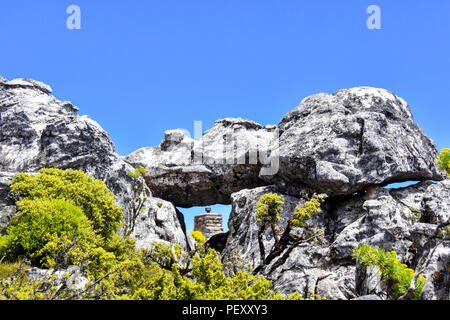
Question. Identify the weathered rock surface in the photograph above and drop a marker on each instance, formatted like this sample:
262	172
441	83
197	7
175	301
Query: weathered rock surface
386	221
204	171
70	278
161	222
37	131
354	138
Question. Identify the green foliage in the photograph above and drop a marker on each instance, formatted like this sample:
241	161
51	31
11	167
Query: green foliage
138	172
165	255
210	283
398	275
416	215
7	269
443	161
199	238
42	228
91	195
269	208
311	208
136	206
67	218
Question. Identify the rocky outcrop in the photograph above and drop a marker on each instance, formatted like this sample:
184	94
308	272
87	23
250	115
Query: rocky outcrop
207	170
160	222
342	143
349	145
337	144
388	220
37	131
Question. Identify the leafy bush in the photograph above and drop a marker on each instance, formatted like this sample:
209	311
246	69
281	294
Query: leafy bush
7	269
91	195
268	209
209	281
398	275
42	228
165	255
199	238
443	161
311	208
136	206
67	218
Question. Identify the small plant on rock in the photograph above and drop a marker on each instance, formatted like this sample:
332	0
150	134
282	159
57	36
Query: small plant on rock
268	210
443	161
140	195
396	274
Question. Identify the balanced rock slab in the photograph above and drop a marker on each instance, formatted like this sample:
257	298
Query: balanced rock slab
207	170
344	142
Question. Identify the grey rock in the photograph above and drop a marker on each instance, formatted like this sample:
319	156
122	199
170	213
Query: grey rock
345	142
327	268
242	227
207	170
437	202
437	285
369	281
70	278
160	222
37	131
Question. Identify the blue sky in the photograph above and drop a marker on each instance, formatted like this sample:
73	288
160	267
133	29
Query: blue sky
142	67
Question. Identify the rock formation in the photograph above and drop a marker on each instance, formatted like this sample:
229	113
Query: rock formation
387	221
207	170
349	144
354	138
37	131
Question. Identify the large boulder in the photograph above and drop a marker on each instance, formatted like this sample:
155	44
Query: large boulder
37	131
160	222
388	219
207	170
344	142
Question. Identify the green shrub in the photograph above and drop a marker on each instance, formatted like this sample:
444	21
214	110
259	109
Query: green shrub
165	255
269	208
443	161
91	195
301	214
7	269
210	283
199	238
42	227
398	275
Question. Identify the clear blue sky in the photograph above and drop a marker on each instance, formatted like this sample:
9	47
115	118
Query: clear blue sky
142	67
